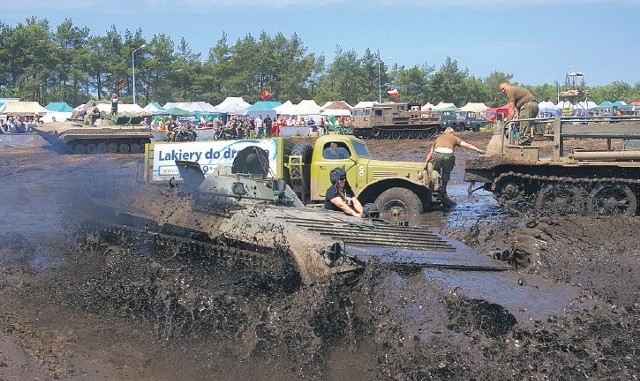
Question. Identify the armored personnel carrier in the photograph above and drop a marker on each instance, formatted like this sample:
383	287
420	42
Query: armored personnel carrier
119	133
394	121
591	167
244	217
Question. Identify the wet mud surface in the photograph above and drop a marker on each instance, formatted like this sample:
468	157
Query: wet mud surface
74	306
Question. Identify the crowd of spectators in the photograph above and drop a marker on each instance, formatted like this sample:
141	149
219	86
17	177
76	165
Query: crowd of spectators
241	127
18	124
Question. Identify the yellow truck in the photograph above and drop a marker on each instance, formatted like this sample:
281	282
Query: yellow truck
398	189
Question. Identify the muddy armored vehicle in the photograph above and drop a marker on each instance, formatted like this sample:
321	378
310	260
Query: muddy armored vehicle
118	133
243	216
592	166
394	121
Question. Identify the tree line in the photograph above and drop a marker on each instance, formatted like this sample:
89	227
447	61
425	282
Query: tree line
70	64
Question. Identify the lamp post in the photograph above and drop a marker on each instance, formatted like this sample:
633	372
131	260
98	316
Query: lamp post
380	79
133	69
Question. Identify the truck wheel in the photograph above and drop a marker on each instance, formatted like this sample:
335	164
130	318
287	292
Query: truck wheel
304	150
398	203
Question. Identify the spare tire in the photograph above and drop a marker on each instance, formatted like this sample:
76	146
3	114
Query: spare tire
299	180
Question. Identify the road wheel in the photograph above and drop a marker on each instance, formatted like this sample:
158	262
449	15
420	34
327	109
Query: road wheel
112	147
396	134
124	148
92	148
102	147
560	199
612	199
80	148
136	148
398	204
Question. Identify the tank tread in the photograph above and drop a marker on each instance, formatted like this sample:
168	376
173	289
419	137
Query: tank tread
417	132
510	190
274	262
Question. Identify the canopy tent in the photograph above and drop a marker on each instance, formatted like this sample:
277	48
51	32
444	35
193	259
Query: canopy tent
175	111
618	103
361	105
442	106
549	107
23	108
307	107
604	104
337	108
59	106
58	116
585	105
428	106
123	108
192	106
153	107
285	109
565	105
474	106
233	105
263	108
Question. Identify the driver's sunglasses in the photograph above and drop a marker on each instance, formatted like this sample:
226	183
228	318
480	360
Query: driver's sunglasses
342	179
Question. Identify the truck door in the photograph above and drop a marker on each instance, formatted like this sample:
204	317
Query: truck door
335	154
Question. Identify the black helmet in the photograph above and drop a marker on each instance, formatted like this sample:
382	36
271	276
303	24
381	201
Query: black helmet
336	174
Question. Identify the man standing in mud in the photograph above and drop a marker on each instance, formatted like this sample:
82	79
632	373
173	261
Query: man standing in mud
525	103
443	159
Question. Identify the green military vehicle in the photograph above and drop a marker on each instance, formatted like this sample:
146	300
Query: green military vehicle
394	121
397	188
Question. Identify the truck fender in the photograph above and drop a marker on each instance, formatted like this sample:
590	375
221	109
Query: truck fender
397	199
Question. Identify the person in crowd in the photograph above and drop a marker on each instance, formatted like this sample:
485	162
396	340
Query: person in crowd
522	101
340	196
322	127
4	128
259	122
114	103
95	113
442	154
162	125
146	122
268	123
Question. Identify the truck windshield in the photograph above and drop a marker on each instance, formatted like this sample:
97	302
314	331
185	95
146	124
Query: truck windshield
361	149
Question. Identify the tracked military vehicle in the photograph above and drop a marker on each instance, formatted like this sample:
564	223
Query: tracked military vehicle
394	121
119	133
592	167
241	215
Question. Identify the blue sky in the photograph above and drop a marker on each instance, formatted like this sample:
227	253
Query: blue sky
537	41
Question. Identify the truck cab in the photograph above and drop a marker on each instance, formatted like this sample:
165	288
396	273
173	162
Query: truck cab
397	188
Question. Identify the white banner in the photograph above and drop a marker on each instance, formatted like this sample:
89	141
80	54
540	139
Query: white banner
209	154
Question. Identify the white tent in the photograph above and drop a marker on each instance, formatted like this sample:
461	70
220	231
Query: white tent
60	116
286	108
585	105
474	106
122	108
442	106
233	105
565	105
22	108
193	106
548	106
361	105
428	106
308	107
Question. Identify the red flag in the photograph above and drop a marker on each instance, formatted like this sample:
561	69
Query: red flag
265	94
393	93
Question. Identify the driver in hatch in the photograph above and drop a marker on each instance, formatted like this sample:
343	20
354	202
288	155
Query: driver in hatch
340	196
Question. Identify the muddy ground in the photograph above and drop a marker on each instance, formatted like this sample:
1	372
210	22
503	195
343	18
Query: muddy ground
73	309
